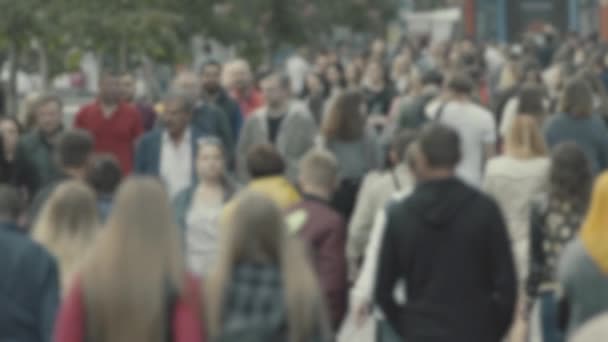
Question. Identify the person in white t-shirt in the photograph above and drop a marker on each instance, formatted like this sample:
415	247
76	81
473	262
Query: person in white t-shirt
475	125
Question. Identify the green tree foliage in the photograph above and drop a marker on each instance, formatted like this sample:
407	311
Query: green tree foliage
162	29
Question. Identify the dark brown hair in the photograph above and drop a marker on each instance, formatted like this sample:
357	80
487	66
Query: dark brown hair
105	174
461	84
577	98
440	145
264	160
345	120
531	101
570	178
74	148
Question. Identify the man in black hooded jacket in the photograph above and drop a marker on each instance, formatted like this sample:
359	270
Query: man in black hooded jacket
448	242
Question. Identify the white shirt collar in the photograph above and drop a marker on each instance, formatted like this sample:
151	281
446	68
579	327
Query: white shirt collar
187	137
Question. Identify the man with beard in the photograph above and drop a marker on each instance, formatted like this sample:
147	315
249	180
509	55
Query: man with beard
214	93
34	151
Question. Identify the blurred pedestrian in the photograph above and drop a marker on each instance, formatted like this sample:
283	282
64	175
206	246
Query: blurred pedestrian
285	123
240	84
170	152
36	149
322	228
129	92
513	180
378	95
28	278
555	218
105	178
298	67
74	155
206	116
134	285
263	287
353	76
199	207
577	122
336	82
531	100
475	126
375	192
449	244
67	227
344	133
267	170
17	172
583	268
114	124
10	132
595	330
315	95
214	93
412	114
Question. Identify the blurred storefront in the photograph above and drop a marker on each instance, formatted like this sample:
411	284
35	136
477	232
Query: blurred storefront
507	20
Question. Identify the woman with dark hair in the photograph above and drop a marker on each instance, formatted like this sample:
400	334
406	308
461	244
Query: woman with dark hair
577	122
344	134
555	218
198	209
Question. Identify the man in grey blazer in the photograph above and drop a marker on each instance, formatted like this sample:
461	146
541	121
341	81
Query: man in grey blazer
283	122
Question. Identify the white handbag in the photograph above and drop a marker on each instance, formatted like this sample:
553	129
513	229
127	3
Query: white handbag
353	332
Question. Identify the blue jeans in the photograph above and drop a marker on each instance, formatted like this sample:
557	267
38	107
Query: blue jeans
549	317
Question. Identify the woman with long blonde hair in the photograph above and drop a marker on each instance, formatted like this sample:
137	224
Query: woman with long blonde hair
134	286
513	180
263	286
67	227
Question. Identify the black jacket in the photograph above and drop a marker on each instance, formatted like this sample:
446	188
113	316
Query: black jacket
448	242
29	289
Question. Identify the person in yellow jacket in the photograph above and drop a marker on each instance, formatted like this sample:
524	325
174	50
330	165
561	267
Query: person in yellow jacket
267	168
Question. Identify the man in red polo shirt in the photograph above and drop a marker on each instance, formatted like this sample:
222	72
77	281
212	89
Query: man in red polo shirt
115	125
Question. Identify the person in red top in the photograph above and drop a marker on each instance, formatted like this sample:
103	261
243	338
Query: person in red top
134	286
242	89
115	125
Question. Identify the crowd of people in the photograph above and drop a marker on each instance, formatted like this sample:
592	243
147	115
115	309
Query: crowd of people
423	192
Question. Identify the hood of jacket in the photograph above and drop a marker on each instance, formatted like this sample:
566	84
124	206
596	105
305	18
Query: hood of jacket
438	202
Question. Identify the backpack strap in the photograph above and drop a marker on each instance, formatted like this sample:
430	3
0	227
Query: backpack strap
439	112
